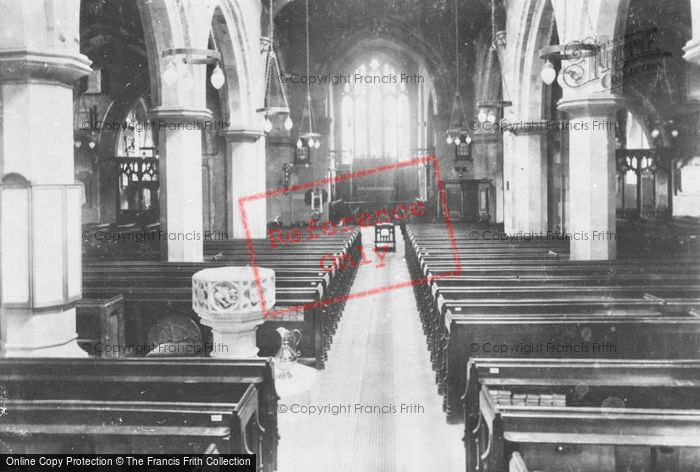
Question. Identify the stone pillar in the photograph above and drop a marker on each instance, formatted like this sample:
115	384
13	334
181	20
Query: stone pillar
39	239
245	176
692	47
592	202
180	172
525	172
692	54
227	299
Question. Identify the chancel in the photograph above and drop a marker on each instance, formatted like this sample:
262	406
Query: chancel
407	235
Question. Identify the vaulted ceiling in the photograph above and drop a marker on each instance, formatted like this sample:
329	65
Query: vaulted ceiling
424	27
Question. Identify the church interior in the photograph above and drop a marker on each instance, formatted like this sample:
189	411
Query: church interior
376	235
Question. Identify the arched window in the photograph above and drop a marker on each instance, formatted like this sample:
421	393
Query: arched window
375	114
137	158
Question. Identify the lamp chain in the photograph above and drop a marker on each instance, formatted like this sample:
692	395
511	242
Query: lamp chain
457	43
308	71
458	95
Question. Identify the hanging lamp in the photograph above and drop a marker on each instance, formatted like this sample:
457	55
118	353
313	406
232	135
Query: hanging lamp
457	132
308	139
574	50
273	105
491	110
194	56
217	78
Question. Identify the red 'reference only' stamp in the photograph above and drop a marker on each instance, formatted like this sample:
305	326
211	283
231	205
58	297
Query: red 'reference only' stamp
284	238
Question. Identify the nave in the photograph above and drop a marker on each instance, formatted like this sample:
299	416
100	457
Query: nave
378	360
188	190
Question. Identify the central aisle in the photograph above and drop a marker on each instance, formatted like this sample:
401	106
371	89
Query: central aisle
378	363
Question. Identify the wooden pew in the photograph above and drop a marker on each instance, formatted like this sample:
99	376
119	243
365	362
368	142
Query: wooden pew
510	279
633	337
140	406
155	289
600	415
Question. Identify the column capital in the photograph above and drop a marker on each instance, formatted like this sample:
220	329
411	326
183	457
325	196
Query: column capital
242	135
25	64
592	105
180	115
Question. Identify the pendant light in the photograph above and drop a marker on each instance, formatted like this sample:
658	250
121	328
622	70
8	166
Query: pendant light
491	110
456	132
193	56
308	139
574	50
273	77
218	78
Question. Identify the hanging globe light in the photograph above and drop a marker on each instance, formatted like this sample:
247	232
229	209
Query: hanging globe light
268	125
548	73
482	115
275	95
308	137
449	139
217	77
468	139
458	141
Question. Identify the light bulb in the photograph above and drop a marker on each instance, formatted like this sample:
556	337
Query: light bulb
458	141
482	115
299	144
288	123
491	117
170	74
449	139
268	125
311	142
655	133
92	144
674	133
548	74
317	144
77	144
217	77
468	140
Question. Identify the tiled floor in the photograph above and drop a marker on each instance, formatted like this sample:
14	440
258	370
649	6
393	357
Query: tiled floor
378	366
